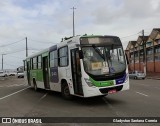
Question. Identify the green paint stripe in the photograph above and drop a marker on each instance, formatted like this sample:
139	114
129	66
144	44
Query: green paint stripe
38	74
101	83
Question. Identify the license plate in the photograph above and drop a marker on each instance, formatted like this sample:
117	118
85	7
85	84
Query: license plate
112	91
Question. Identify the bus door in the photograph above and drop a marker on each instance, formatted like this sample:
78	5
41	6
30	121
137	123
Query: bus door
45	73
28	73
76	72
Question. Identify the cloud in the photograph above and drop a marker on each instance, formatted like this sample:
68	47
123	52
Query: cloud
50	20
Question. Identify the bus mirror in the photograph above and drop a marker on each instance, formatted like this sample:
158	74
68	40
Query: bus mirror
77	45
80	54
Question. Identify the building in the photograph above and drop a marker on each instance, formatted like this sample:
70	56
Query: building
144	54
130	55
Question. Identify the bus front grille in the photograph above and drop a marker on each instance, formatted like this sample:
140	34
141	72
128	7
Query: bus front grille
105	90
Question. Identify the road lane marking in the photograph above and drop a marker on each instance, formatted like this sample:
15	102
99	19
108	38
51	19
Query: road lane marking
13	85
115	111
13	93
43	96
150	86
157	87
145	85
16	85
142	94
111	107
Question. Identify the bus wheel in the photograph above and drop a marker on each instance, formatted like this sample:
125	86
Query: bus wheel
65	91
35	85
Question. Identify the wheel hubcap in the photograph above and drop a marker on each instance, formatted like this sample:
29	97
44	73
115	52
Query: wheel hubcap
66	91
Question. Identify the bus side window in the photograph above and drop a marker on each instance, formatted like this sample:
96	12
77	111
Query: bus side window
34	63
53	59
63	56
31	64
39	62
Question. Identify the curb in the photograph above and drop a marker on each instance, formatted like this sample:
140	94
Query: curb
153	78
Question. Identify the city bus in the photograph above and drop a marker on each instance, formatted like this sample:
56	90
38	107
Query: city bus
84	66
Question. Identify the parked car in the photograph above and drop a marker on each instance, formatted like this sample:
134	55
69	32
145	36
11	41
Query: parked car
3	74
12	74
137	75
20	75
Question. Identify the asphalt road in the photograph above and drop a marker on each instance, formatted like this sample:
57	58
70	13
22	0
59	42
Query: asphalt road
18	100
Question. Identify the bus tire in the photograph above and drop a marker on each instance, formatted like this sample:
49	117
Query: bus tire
35	85
65	91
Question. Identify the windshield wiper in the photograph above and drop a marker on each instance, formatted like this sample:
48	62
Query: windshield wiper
99	52
109	74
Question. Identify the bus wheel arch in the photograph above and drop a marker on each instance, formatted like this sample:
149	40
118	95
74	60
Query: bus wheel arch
35	84
65	89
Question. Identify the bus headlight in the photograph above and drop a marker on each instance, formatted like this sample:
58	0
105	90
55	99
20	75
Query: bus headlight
89	83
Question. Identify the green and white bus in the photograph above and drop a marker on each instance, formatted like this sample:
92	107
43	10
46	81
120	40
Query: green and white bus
84	66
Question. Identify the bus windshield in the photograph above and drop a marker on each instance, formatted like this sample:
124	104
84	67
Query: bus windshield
103	60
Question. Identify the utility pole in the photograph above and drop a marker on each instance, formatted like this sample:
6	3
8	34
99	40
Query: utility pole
73	21
144	53
2	60
26	48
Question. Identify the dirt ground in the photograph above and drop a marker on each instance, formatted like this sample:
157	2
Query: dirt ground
4	81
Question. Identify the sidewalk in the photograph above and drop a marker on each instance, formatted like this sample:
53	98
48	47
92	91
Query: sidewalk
155	76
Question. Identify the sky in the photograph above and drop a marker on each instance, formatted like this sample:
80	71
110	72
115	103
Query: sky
46	22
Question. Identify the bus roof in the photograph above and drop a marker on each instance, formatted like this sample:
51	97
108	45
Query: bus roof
38	53
65	42
90	36
62	43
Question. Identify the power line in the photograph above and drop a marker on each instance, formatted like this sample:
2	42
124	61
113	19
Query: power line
130	35
42	42
14	51
12	43
9	64
17	61
147	32
34	49
16	57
